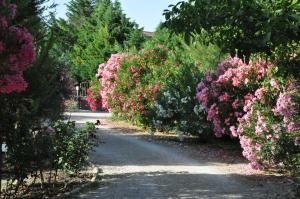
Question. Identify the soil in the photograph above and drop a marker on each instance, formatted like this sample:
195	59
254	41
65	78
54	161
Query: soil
63	184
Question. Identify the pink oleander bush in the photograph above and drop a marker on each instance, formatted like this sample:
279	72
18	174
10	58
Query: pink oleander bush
139	79
16	51
269	131
93	99
108	75
223	94
253	103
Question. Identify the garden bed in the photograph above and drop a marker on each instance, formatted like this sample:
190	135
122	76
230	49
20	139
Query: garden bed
63	185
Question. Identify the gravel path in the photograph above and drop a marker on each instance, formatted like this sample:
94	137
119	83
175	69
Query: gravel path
137	168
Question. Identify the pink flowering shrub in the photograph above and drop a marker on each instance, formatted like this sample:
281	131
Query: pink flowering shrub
16	51
223	94
269	131
139	79
94	100
251	102
108	75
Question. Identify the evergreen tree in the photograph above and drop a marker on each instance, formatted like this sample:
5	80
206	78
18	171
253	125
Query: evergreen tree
89	52
104	32
29	14
78	10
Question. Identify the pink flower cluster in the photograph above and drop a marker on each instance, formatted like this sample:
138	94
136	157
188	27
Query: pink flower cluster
16	52
285	106
92	100
107	74
223	94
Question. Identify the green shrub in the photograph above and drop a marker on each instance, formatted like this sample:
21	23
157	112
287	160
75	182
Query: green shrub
34	152
72	145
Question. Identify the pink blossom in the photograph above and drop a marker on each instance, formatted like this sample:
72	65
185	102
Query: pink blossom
233	131
284	106
246	81
274	84
258	147
236	103
256	165
269	137
235	82
19	54
249	100
202	96
224	97
227	121
238	114
217	128
212	112
2	3
276	128
259	93
13	10
200	86
208	76
261	125
12	83
249	97
292	126
93	102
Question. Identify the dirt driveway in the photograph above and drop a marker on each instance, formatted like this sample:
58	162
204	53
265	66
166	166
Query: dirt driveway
134	167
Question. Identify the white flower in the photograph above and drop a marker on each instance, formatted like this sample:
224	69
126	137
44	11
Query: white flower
167	94
157	123
198	109
183	123
184	100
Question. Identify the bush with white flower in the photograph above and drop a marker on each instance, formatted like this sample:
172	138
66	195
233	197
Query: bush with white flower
176	108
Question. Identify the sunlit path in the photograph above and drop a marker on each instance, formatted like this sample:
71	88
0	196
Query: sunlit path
136	168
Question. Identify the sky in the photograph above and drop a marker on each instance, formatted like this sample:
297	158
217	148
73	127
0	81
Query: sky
146	13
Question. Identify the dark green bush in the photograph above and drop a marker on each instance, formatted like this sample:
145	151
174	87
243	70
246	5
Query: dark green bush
32	153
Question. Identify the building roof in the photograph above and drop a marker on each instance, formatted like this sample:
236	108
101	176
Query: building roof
148	34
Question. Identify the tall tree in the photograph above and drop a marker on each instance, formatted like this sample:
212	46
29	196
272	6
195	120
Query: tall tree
105	31
252	26
78	10
30	14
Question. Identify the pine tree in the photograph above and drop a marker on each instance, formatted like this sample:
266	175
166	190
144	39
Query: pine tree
78	11
104	32
30	15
